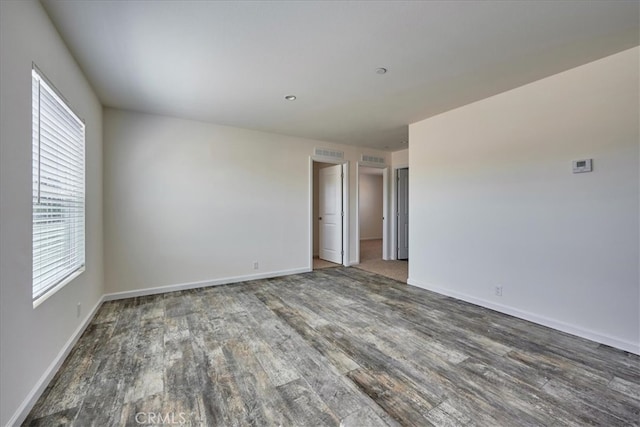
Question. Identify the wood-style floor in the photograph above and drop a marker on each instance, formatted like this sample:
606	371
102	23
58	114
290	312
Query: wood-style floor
339	346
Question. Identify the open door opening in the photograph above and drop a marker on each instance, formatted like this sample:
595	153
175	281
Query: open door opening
371	214
375	254
328	215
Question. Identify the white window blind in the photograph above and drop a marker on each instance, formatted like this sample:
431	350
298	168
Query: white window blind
58	137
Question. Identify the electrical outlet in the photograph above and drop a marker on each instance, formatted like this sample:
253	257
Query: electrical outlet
499	291
78	309
255	265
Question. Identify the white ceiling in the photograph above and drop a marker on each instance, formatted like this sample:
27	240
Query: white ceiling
232	63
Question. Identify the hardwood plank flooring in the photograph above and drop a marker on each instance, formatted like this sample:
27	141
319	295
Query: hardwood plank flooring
338	346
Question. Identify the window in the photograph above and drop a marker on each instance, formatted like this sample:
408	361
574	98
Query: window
58	137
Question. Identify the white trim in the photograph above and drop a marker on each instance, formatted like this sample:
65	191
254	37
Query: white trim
310	213
393	241
357	200
535	318
27	404
345	219
201	284
385	213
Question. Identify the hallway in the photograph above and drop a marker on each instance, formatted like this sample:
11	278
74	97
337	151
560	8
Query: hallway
371	260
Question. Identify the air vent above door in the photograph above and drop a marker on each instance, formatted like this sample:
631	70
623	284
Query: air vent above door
326	152
373	160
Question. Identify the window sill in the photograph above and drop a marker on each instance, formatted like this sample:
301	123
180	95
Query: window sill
42	298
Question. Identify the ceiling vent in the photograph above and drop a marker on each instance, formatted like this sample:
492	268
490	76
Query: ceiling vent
373	160
325	152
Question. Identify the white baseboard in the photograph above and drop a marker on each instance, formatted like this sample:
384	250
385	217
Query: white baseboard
201	284
27	404
535	318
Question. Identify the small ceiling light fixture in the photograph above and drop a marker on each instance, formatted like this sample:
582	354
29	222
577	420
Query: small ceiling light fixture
381	70
290	97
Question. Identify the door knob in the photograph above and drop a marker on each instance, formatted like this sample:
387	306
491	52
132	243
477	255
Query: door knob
320	218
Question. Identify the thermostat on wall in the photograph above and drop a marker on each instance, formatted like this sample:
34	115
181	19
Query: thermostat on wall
580	166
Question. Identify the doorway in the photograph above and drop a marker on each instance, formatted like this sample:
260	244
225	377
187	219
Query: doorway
375	254
371	213
329	213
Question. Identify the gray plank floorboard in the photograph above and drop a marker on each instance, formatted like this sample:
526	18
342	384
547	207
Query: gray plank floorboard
333	347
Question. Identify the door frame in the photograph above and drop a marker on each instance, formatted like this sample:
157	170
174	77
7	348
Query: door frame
393	224
345	207
385	210
397	249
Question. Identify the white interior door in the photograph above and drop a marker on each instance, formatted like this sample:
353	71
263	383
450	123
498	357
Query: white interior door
330	213
403	213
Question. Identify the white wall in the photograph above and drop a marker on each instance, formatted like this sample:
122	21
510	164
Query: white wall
188	201
32	339
370	206
493	201
400	159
